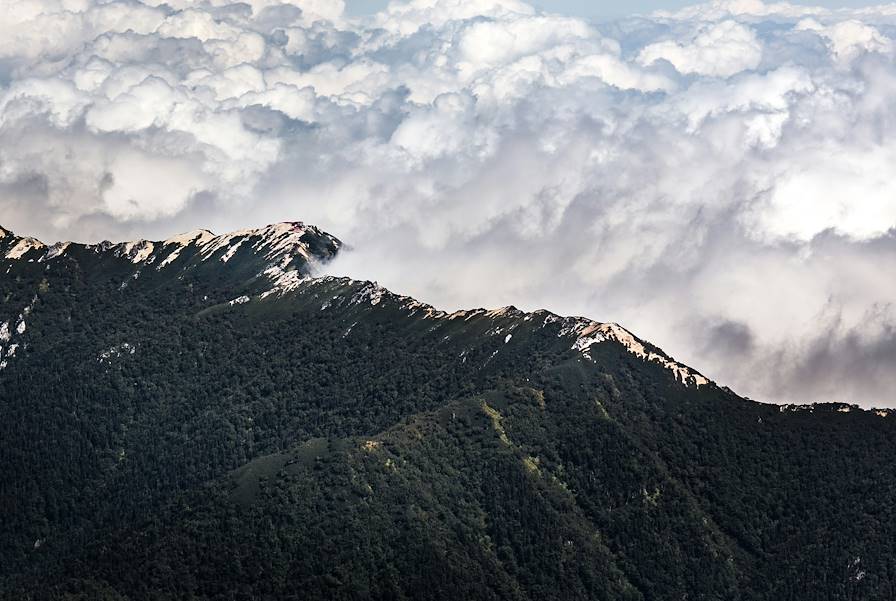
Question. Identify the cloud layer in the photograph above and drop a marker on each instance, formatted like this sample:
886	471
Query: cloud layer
718	180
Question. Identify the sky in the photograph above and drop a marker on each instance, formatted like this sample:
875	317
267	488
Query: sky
715	177
602	9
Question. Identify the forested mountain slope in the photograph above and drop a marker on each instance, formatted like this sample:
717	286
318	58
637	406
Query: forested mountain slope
202	418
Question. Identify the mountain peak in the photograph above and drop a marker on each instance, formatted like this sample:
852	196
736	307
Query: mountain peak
276	254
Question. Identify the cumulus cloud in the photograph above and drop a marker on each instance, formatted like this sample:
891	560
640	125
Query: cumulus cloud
849	39
719	49
716	179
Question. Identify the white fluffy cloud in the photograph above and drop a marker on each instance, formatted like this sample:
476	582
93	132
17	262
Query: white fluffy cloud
717	179
719	49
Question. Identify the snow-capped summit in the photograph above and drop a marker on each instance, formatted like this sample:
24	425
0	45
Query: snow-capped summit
271	255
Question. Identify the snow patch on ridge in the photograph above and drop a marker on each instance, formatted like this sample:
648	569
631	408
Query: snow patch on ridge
683	373
137	251
170	258
14	334
588	333
54	251
371	293
199	237
23	246
589	336
231	251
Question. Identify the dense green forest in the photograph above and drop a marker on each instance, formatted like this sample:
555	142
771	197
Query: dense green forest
179	430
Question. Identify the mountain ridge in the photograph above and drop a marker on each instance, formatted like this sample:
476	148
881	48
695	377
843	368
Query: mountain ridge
289	262
281	244
209	430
